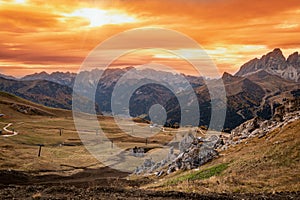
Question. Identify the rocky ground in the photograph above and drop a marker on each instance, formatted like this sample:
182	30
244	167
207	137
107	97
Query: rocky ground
101	184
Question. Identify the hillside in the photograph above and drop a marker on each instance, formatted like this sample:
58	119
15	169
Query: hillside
67	168
245	168
247	97
43	92
12	106
39	91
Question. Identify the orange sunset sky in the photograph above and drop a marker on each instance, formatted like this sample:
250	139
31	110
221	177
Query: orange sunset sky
57	35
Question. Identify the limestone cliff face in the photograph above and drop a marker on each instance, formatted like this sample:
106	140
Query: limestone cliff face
274	63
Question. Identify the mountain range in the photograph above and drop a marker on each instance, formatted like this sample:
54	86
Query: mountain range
255	90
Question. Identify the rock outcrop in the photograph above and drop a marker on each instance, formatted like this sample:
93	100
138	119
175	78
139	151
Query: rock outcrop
284	114
274	63
193	153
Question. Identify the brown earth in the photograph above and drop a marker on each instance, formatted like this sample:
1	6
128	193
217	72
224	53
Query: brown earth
100	184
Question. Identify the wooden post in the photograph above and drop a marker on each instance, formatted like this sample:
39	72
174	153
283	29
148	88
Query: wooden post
40	149
60	132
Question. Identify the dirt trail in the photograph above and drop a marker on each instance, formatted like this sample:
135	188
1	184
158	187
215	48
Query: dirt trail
12	133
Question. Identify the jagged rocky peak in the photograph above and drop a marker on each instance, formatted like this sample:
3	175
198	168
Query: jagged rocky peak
274	63
274	60
226	75
42	73
36	76
294	59
63	73
276	54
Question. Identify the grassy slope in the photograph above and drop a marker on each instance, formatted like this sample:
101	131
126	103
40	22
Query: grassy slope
20	152
8	99
267	164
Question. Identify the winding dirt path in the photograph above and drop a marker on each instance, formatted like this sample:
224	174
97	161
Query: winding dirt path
13	133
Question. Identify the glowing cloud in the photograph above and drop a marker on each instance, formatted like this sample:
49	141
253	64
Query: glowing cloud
98	17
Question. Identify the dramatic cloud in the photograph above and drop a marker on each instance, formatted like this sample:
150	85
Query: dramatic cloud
58	35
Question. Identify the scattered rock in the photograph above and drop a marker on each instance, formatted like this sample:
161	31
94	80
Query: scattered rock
258	127
194	152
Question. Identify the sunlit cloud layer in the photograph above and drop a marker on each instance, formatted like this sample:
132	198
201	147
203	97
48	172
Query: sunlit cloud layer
58	35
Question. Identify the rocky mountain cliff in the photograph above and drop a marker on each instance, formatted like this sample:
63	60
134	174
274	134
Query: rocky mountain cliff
274	63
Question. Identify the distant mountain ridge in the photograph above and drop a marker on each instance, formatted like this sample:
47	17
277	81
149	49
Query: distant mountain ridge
39	91
274	63
254	91
63	78
43	92
7	77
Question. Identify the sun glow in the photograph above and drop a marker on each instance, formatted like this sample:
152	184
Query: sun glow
98	17
20	1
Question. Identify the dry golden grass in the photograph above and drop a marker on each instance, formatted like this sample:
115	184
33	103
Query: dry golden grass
21	152
267	164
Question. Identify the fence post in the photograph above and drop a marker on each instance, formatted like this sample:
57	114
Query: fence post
40	149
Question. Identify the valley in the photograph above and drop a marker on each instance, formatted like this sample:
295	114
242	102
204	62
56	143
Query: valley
65	168
44	155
